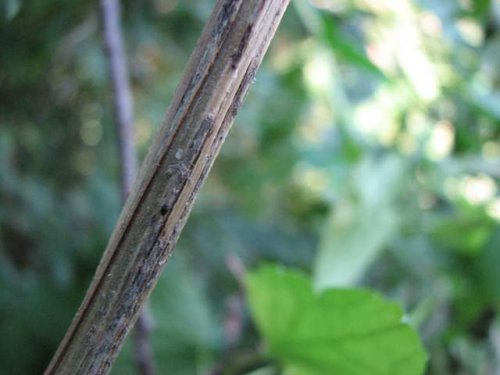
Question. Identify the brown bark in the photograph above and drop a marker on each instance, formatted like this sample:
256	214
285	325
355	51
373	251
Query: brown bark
217	77
124	117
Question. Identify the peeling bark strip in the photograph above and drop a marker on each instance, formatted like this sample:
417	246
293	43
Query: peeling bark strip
214	84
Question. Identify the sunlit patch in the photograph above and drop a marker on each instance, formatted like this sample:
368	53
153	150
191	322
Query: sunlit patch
377	117
310	178
478	190
381	6
318	73
91	132
369	116
470	31
441	140
409	49
331	5
372	119
380	55
418	69
402	43
431	24
493	209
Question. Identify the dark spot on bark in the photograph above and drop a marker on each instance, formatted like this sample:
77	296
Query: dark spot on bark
236	57
228	11
163	210
202	132
240	94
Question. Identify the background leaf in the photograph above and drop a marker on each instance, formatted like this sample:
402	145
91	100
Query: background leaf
362	222
338	331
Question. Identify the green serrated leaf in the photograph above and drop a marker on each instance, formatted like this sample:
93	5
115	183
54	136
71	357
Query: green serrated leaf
338	331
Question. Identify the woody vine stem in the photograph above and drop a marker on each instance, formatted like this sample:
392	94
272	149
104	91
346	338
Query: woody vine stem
206	101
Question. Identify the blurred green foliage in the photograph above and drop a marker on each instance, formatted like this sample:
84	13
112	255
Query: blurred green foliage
367	154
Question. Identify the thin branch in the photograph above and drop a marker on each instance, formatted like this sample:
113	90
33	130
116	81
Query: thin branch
124	112
143	353
214	84
122	94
